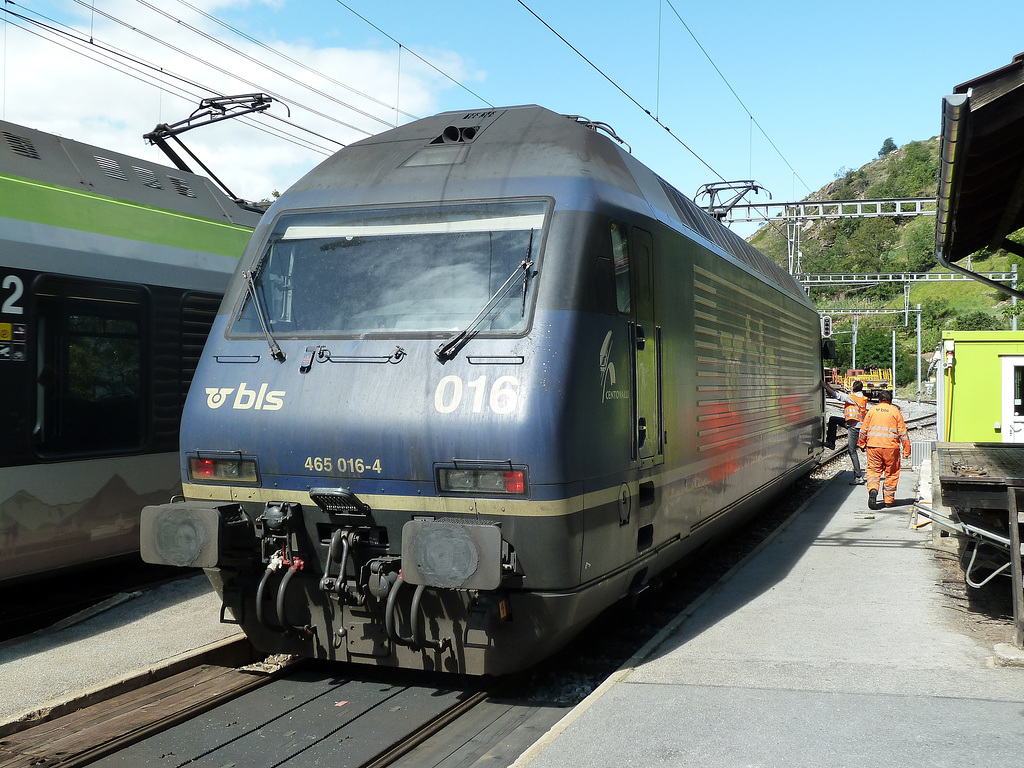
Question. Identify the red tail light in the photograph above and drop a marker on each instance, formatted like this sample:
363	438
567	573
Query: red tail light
515	481
229	469
203	468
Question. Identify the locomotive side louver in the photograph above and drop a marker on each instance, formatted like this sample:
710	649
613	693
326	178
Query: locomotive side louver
21	145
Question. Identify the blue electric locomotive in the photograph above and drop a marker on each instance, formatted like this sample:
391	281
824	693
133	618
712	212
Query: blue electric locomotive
476	379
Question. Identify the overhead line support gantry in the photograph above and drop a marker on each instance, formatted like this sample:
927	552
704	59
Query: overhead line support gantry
794	214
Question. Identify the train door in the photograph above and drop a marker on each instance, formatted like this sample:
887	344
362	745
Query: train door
1012	399
92	395
647	351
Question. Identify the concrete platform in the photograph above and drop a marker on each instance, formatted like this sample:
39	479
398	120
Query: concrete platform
833	646
126	637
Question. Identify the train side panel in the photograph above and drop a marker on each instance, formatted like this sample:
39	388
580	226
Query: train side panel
110	275
735	384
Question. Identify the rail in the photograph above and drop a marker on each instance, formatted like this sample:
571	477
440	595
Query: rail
411	741
116	716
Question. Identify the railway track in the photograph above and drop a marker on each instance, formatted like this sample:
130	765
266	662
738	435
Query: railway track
293	714
320	714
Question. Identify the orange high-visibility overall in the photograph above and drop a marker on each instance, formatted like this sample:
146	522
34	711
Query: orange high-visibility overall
883	432
855	411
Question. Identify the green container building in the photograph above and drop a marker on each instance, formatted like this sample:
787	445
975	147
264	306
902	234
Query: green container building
980	392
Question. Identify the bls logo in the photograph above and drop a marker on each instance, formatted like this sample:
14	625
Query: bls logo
246	398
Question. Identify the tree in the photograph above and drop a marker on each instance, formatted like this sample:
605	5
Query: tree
918	244
976	321
887	146
874	348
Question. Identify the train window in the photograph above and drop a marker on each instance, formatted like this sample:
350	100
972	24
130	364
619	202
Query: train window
620	258
398	270
91	397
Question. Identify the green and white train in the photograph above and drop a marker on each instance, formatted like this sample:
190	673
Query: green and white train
111	271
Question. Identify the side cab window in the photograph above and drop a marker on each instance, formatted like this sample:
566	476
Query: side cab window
620	263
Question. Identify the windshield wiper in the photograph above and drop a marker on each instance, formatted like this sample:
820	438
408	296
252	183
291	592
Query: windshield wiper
448	349
257	304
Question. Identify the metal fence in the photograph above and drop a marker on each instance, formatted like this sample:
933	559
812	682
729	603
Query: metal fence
921	452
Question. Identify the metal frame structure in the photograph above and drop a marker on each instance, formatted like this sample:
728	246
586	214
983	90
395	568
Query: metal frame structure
812	210
809	210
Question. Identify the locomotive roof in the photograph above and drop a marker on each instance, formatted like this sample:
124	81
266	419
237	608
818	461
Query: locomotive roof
444	153
45	157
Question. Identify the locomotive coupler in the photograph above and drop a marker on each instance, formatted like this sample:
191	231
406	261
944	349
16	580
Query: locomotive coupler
339	541
276	526
339	552
383	575
344	551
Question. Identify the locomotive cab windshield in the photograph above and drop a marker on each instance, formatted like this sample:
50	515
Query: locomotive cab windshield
411	270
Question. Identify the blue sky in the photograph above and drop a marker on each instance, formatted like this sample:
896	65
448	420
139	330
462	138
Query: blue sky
827	82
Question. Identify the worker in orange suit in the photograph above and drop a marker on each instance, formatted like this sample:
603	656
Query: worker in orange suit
855	405
882	433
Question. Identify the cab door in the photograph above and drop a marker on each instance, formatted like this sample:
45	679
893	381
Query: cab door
1012	399
646	340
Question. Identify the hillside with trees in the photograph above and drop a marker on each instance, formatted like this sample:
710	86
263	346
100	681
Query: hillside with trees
891	245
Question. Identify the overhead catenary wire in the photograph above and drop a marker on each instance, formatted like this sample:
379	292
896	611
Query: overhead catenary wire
149	74
298	63
122	63
733	91
441	72
656	116
263	64
282	133
223	71
165	81
105	56
620	89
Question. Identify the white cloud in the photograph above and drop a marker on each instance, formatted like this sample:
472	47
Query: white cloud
50	88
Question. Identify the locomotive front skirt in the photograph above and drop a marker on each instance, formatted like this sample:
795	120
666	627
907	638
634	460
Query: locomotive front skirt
476	379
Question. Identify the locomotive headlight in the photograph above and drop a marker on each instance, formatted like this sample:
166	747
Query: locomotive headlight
503	480
222	469
457	480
